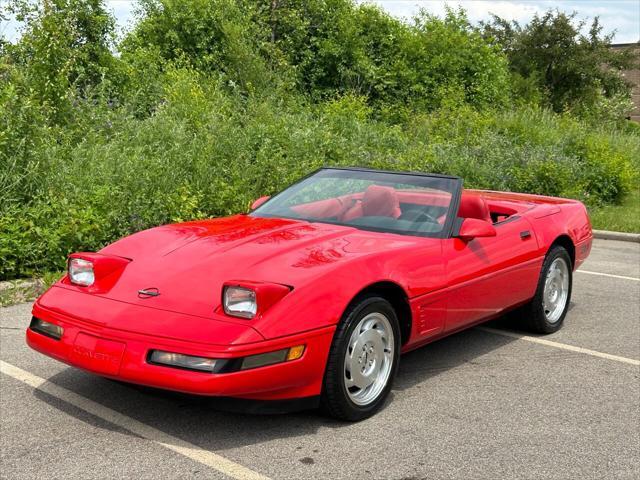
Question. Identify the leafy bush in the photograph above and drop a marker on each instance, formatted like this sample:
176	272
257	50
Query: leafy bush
208	152
211	106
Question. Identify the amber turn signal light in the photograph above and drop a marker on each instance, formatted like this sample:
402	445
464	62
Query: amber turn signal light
295	352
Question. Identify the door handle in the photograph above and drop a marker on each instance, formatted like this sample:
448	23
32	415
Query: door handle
525	234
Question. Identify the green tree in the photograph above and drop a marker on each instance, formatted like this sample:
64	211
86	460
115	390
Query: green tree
64	50
54	84
213	36
338	47
572	69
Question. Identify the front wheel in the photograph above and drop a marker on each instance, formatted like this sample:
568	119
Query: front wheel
363	360
546	312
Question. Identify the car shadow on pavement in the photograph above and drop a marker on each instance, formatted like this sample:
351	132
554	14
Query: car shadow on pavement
201	421
419	366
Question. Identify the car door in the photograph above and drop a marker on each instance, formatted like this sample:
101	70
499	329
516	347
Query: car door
487	275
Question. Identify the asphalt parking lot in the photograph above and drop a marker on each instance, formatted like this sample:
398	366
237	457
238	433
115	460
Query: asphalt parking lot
485	403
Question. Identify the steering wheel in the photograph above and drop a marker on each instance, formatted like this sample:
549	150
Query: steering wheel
426	215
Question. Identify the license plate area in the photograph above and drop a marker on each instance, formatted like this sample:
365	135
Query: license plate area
97	354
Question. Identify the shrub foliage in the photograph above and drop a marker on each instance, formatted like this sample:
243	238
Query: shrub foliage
210	104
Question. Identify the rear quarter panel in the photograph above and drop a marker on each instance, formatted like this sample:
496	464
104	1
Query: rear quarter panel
553	217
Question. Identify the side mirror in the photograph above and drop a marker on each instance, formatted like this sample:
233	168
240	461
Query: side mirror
474	227
259	202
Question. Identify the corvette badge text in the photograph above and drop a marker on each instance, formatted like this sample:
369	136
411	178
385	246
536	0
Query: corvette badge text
91	354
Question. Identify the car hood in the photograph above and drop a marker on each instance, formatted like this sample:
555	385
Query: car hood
189	262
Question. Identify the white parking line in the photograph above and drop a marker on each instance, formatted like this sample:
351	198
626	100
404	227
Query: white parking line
609	275
189	450
563	346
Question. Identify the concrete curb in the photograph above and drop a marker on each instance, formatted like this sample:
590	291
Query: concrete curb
620	236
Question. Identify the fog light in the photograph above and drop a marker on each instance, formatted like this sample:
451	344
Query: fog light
45	328
178	360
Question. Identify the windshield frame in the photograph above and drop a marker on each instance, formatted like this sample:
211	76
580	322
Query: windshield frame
445	232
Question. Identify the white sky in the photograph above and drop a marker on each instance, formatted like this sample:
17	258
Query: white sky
623	16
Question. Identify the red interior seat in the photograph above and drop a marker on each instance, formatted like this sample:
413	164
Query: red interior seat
473	206
377	201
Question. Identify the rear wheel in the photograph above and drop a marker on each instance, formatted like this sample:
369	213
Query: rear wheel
363	360
546	312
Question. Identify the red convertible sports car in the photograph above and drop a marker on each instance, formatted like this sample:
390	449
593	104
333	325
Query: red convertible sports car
313	295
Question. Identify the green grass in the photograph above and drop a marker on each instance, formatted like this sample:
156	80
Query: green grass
619	218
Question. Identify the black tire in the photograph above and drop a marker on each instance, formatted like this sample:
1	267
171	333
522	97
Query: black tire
535	319
335	400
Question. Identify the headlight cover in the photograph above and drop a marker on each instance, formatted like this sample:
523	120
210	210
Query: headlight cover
240	302
81	272
96	272
245	299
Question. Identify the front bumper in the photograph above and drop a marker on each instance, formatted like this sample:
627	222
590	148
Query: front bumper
123	355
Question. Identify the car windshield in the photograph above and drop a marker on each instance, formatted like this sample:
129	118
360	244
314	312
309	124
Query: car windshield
369	200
